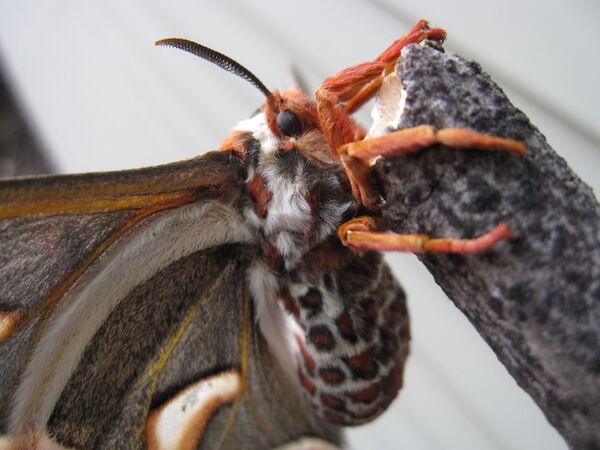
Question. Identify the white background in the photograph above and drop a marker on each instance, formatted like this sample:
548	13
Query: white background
102	97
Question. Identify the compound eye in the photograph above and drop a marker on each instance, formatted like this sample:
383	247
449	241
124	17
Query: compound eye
288	123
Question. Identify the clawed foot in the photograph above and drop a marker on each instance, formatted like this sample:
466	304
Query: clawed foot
365	233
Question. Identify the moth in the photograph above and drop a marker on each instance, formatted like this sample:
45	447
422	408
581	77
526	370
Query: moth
234	300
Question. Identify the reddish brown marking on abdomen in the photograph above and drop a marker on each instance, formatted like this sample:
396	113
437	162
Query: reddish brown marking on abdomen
363	366
354	349
332	376
321	338
368	394
345	326
333	402
312	301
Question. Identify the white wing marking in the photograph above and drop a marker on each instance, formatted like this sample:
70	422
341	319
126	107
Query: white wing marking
180	423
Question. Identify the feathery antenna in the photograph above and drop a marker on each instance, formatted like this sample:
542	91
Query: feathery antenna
221	60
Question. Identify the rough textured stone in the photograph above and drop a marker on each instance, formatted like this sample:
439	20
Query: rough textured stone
535	300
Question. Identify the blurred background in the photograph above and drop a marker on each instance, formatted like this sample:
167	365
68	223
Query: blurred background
99	96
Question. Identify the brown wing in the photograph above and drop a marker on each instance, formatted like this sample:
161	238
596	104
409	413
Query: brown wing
124	293
170	185
190	322
52	228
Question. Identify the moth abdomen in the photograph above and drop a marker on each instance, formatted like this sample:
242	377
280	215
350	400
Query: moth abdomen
350	345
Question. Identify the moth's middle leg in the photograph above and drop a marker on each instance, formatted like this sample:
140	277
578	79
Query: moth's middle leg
366	233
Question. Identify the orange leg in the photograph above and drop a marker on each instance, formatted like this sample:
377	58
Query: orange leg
359	176
418	33
357	84
360	235
414	139
356	156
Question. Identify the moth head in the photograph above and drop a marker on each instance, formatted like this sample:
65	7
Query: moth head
289	115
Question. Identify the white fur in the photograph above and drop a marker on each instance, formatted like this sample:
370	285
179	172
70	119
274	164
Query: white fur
126	264
260	130
289	213
275	324
288	208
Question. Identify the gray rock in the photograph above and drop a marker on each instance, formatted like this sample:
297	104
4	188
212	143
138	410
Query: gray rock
536	299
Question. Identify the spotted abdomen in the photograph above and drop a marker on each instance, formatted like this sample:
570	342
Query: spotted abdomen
352	339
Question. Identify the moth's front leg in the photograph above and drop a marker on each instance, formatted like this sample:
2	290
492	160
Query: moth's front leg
353	334
346	91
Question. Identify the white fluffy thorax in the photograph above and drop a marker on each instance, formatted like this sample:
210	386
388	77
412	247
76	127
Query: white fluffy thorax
289	179
289	213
